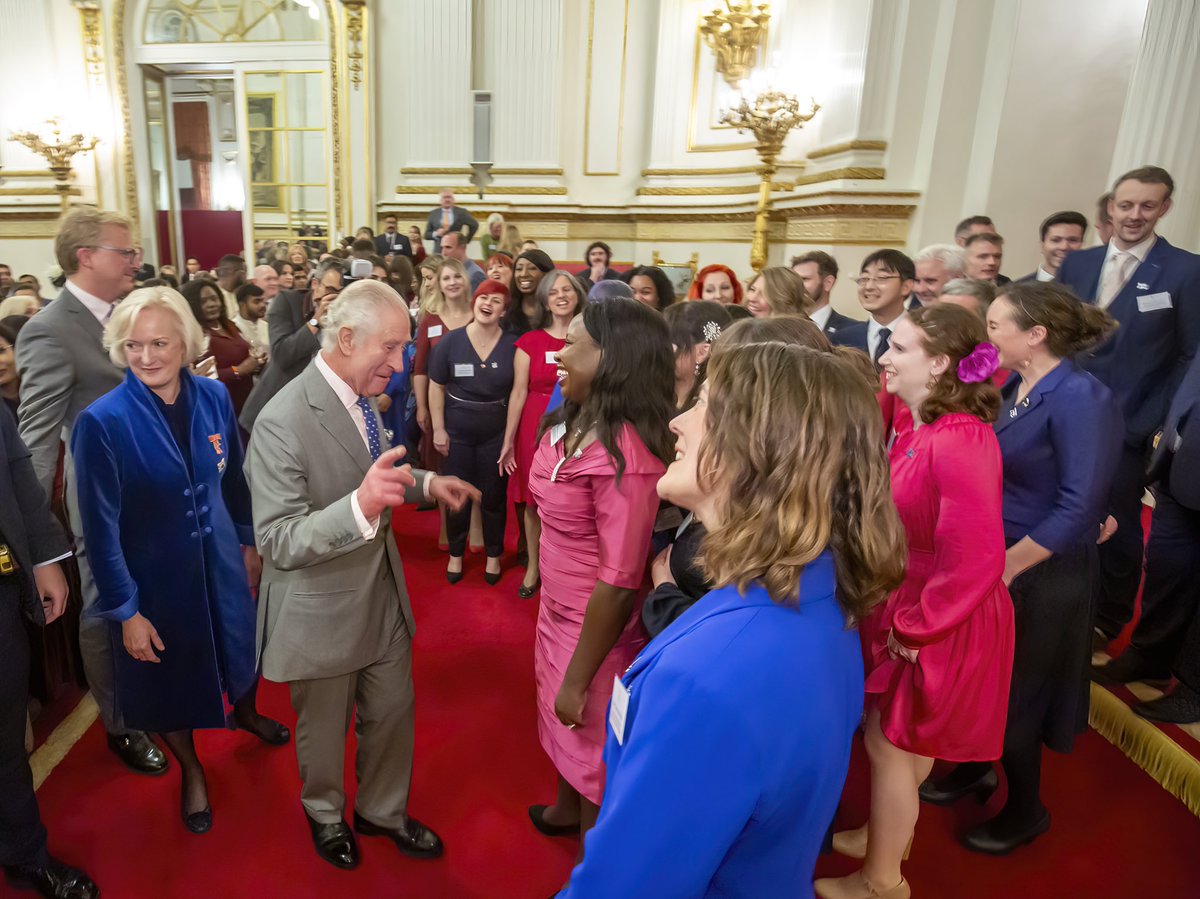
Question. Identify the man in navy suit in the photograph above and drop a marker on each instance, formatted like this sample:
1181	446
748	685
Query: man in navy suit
1153	290
885	283
819	272
391	242
1061	234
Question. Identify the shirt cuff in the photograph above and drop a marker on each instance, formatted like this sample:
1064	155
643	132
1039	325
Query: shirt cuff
55	560
429	476
366	527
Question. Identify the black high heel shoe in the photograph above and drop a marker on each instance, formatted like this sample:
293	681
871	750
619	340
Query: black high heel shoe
527	592
454	576
493	577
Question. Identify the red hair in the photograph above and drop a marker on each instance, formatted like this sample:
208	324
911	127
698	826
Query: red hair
503	258
694	292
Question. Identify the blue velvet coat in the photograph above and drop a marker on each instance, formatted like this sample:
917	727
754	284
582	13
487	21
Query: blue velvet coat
736	747
167	543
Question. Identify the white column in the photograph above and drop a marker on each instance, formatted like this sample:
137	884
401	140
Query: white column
1160	125
435	45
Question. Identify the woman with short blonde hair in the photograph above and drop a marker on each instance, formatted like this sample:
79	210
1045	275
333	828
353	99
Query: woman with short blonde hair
126	312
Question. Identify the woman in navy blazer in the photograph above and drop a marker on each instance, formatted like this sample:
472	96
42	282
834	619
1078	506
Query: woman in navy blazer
730	734
1060	432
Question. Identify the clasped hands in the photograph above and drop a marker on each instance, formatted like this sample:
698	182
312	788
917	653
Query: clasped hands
898	650
386	484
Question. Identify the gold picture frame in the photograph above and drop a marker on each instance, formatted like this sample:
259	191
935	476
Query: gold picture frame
681	274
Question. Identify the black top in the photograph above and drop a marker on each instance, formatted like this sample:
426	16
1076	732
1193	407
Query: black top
456	366
179	419
668	601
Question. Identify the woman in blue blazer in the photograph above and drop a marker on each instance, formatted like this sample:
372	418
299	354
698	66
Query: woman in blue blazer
165	510
730	734
1060	432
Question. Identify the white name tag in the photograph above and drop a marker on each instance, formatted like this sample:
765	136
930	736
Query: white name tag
464	370
435	330
1154	301
550	354
557	433
618	710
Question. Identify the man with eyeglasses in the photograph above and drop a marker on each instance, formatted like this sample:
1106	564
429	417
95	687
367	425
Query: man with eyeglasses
885	283
64	368
294	320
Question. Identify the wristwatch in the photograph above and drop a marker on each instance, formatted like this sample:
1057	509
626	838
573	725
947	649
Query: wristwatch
314	323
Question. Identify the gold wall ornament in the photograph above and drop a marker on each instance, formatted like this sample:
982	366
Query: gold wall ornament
354	39
735	34
93	44
58	150
771	116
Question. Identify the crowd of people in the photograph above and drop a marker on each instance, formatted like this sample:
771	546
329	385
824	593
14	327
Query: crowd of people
755	525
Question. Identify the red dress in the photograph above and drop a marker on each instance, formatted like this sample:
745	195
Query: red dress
952	606
539	346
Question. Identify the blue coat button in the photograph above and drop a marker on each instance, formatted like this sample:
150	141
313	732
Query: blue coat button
208	530
191	514
195	534
187	492
204	510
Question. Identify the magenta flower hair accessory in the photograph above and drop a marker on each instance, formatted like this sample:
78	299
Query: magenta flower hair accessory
979	364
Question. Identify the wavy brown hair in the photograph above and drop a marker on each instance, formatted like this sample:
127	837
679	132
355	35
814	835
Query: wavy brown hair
1071	326
784	291
797	330
794	452
953	332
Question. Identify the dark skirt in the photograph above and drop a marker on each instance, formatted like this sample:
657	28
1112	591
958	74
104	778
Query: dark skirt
1054	605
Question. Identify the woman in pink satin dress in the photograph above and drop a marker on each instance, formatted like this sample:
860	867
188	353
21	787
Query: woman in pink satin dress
594	478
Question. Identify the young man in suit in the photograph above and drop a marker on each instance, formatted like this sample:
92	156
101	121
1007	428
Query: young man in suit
31	582
454	246
446	218
819	272
1061	234
1153	290
985	254
64	368
885	284
334	620
936	265
391	242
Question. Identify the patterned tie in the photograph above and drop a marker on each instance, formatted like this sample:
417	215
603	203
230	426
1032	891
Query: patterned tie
368	414
885	335
1118	273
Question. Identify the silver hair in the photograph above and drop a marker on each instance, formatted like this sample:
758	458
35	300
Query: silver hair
954	258
358	308
327	266
262	271
970	287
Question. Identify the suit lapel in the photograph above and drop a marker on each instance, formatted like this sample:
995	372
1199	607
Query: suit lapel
82	316
334	417
1024	408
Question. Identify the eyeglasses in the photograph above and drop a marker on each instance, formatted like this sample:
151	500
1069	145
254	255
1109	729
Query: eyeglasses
868	280
133	255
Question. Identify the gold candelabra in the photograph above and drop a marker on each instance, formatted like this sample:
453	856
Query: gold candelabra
58	150
770	116
735	34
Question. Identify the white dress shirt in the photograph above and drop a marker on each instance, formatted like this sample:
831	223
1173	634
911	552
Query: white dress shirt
348	398
255	332
1043	275
873	329
1138	251
820	317
94	304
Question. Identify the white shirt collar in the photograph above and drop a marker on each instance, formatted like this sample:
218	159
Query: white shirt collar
1043	275
820	317
93	303
345	393
1139	251
874	327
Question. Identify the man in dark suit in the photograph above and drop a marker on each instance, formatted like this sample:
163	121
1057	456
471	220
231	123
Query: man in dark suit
446	218
1061	233
1153	290
819	272
31	582
294	325
391	242
985	254
64	368
885	284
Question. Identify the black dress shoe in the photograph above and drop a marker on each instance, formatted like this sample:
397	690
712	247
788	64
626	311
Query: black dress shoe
56	880
537	814
413	838
270	732
527	592
1180	706
991	840
954	786
138	752
335	843
1127	668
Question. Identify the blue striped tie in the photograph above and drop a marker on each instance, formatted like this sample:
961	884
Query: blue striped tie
372	427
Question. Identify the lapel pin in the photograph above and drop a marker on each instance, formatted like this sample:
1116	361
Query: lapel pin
1142	286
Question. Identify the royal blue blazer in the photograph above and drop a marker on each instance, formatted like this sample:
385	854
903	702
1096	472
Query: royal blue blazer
735	751
1059	447
1143	362
166	542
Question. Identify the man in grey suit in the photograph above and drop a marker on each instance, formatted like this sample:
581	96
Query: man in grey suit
446	218
63	369
334	620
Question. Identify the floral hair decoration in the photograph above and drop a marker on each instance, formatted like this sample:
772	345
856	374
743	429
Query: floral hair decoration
979	364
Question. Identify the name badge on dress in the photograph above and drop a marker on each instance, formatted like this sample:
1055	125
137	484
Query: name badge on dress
550	354
435	330
1152	302
464	370
618	710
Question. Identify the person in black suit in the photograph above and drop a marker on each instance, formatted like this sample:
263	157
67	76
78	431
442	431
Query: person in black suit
31	582
446	218
391	242
819	272
1061	234
985	254
294	325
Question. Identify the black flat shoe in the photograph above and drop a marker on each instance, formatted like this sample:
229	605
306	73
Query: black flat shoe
985	839
270	732
413	839
335	843
527	592
196	822
138	752
948	790
1180	706
537	814
56	880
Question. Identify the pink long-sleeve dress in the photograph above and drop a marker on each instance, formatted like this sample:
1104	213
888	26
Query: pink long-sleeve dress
592	529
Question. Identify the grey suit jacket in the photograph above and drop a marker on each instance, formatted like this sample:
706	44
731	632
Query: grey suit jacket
293	346
329	601
460	220
64	369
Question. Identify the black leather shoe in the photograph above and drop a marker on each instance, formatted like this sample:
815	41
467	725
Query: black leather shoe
1180	706
139	753
413	838
1126	669
537	814
454	576
335	843
56	880
527	592
197	822
493	577
987	840
950	789
269	731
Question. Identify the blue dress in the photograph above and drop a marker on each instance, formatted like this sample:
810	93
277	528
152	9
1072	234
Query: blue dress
163	534
736	746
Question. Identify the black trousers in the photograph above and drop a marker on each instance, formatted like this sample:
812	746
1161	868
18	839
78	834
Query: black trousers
476	434
1121	556
22	836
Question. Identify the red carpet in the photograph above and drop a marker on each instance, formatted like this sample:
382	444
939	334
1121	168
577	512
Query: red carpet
478	765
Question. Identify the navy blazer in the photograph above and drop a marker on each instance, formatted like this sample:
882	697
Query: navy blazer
837	322
1181	437
402	245
736	746
1144	361
1060	447
851	335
